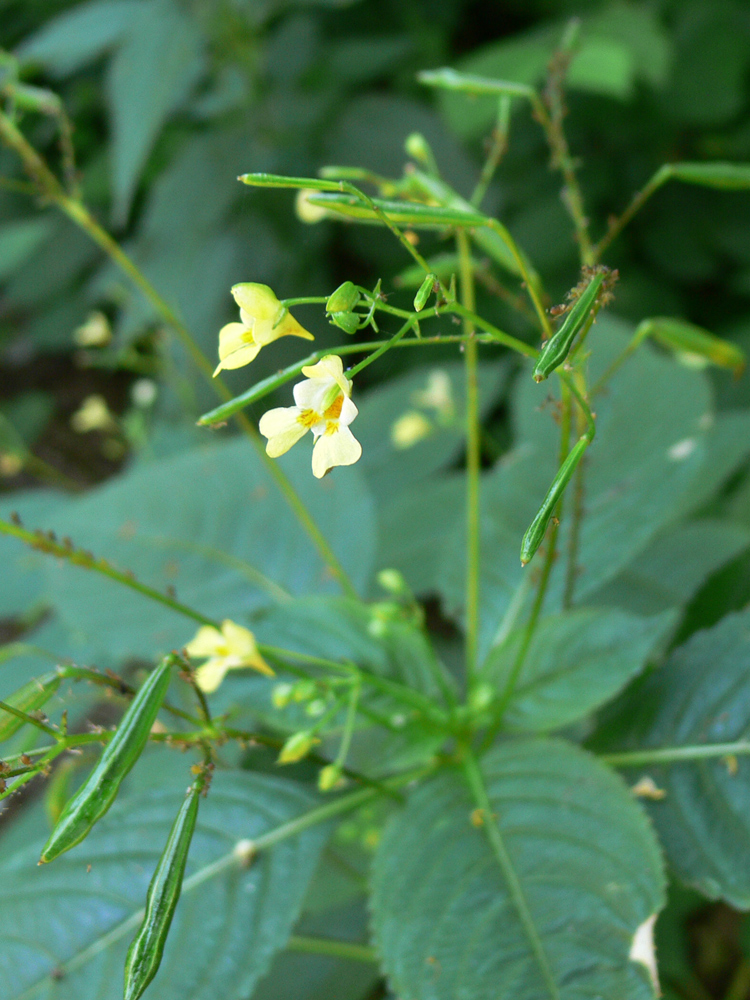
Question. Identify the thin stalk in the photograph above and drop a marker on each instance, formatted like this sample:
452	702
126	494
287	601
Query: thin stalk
29	719
676	755
527	276
335	949
43	543
51	188
351	718
473	458
497	150
385	347
497	335
639	199
505	862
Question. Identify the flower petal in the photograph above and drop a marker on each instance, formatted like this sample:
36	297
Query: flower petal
258	301
311	394
337	448
207	641
211	674
233	337
348	412
241	642
283	429
331	366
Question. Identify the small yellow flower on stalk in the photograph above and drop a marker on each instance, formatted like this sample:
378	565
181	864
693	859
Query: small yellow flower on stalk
263	319
228	648
323	406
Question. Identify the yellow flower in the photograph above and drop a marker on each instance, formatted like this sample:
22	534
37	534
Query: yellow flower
227	648
410	428
263	319
93	415
324	407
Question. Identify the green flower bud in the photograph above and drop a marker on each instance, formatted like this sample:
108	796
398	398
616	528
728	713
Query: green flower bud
346	321
296	747
282	695
329	778
344	299
392	581
425	290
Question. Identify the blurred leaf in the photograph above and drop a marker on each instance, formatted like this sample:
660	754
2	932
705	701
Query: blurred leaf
23	584
700	696
28	414
79	36
19	240
577	660
153	71
674	566
225	930
585	871
211	523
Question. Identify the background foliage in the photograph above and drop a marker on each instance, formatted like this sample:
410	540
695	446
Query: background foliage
171	100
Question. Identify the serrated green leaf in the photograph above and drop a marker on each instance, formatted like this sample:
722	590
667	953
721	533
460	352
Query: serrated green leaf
211	523
577	660
586	874
700	696
226	928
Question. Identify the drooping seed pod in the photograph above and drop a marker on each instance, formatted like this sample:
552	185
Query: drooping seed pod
146	950
425	290
693	341
535	532
345	320
100	789
28	698
557	348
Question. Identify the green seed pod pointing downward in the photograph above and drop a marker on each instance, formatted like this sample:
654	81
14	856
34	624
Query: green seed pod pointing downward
146	950
98	792
537	529
556	350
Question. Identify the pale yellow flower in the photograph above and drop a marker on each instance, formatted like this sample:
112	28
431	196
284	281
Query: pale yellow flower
438	394
93	415
263	319
228	648
95	332
323	406
410	428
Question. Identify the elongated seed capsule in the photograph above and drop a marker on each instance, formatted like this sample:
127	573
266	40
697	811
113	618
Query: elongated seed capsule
555	351
145	952
686	338
98	792
425	290
27	699
536	530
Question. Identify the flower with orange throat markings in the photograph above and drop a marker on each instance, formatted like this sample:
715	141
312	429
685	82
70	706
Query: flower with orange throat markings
323	406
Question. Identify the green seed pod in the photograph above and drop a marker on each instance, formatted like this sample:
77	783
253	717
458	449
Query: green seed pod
425	290
536	530
677	335
729	176
556	350
27	699
344	299
146	950
346	321
98	792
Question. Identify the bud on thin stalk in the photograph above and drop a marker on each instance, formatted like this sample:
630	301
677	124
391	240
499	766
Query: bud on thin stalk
425	290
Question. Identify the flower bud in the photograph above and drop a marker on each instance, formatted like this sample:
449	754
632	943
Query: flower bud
344	299
296	747
392	581
418	148
282	695
425	290
346	321
329	778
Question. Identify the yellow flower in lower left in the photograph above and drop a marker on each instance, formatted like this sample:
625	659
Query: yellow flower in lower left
227	648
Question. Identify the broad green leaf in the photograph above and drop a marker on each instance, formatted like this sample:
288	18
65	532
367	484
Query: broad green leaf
674	566
653	423
152	72
576	661
415	424
229	921
212	524
700	696
79	35
581	872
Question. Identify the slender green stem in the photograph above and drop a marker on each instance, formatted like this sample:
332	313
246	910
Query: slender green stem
497	844
497	150
43	543
336	949
80	215
351	718
473	458
676	755
497	335
385	347
29	719
529	279
639	199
